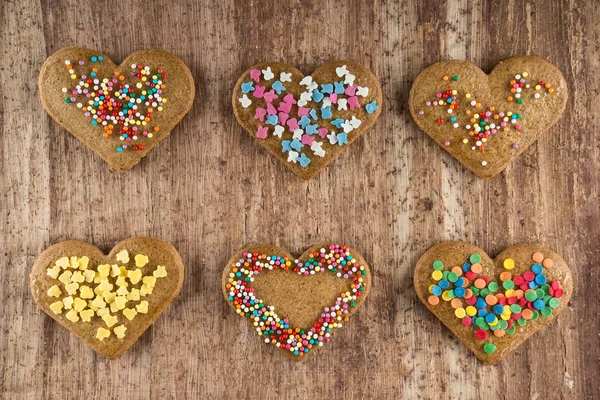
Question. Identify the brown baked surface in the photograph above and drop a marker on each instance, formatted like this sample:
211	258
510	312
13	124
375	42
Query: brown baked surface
455	254
301	299
179	91
166	289
324	74
490	90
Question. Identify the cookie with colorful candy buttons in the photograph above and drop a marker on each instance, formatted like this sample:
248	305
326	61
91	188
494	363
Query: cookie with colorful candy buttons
307	121
485	121
119	112
296	304
493	305
107	301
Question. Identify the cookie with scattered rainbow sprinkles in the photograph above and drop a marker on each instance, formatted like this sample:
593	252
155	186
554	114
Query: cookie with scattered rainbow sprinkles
307	121
493	305
296	304
486	121
119	112
107	301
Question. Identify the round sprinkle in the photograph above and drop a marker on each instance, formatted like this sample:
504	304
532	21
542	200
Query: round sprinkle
489	348
438	265
547	263
538	257
509	263
475	258
436	275
433	300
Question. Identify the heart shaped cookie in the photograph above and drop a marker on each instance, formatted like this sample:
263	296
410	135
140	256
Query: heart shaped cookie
107	301
296	304
119	112
493	305
307	121
485	121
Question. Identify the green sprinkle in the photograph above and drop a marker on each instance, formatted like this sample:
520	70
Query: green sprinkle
480	322
511	330
438	265
520	101
493	287
508	284
475	291
455	77
475	258
503	324
531	295
546	311
489	348
452	277
522	321
553	302
445	275
484	292
515	308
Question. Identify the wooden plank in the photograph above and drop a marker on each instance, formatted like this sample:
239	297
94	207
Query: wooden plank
210	190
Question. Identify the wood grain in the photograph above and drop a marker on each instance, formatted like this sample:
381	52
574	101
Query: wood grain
210	189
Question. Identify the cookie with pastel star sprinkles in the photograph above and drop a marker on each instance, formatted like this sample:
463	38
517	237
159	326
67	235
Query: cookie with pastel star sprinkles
307	121
296	304
119	112
493	305
486	121
107	301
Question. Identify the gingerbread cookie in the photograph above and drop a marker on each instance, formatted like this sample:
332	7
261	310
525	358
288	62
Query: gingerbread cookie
493	305
107	301
119	112
485	121
296	304
307	121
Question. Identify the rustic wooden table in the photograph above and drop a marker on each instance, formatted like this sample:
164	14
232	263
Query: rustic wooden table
210	189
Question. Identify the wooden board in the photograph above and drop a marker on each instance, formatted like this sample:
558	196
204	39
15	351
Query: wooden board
210	189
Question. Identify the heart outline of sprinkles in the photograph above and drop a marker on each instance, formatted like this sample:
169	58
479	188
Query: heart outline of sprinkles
493	317
73	282
486	121
320	260
306	121
120	111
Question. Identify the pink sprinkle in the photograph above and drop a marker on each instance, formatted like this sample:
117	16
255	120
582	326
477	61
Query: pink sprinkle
262	132
255	74
322	132
303	111
259	91
292	123
439	95
307	139
333	98
260	114
428	104
270	96
271	110
285	107
517	127
289	98
283	117
447	143
353	102
350	90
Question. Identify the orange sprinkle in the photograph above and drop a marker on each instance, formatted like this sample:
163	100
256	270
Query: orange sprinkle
476	268
455	302
468	293
519	294
433	300
548	263
457	270
491	299
538	257
497	333
527	313
479	283
509	98
504	276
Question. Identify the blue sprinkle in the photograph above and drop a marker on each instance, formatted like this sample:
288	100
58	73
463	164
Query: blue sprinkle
540	279
539	304
444	284
337	123
278	87
272	119
285	146
466	267
327	88
326	112
498	309
371	107
473	319
480	303
311	129
247	87
536	269
342	139
313	114
100	58
482	312
459	283
339	87
317	96
120	149
489	318
296	145
436	290
94	59
532	285
94	122
459	291
304	121
304	161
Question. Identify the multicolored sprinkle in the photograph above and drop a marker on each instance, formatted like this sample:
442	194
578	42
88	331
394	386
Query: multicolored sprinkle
118	102
276	329
493	308
306	121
